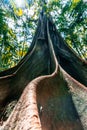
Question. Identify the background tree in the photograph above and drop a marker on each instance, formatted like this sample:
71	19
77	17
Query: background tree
17	30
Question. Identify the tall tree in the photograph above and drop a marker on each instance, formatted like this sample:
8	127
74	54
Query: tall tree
48	86
51	74
21	21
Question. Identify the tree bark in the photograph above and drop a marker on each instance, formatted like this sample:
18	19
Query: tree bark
49	83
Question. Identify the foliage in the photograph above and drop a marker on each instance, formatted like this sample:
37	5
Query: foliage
16	32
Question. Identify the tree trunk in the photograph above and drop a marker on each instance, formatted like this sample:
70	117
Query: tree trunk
49	84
